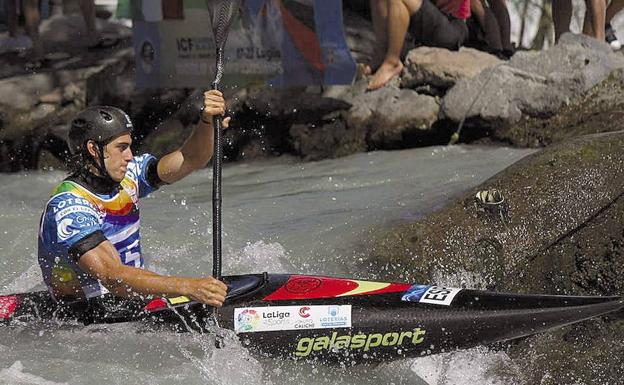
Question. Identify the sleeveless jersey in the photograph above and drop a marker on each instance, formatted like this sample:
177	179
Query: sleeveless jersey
74	213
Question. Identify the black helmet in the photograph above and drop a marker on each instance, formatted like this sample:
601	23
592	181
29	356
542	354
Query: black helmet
100	124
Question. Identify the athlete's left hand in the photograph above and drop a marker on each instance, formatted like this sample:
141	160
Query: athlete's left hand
214	105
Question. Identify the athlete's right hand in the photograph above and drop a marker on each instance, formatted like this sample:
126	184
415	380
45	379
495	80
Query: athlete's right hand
209	290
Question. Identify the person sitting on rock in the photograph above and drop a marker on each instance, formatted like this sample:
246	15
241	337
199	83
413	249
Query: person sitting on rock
435	23
594	24
489	28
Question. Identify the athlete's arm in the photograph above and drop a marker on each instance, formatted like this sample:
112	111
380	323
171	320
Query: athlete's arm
198	148
103	262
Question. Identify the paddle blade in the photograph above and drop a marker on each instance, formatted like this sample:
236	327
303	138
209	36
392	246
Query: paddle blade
222	12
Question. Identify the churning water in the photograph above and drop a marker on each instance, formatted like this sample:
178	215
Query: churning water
278	216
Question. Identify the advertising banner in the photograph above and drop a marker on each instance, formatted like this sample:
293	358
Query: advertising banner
273	42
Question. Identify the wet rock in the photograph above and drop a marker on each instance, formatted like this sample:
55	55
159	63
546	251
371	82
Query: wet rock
329	140
31	104
442	68
550	197
533	84
596	111
391	113
562	233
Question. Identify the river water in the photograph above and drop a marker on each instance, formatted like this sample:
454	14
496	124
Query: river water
280	215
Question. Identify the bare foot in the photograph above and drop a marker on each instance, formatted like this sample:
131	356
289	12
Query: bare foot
384	74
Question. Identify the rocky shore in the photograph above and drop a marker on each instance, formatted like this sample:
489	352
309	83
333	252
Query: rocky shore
440	93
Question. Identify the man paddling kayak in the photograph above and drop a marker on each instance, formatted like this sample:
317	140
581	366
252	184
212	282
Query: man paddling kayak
89	241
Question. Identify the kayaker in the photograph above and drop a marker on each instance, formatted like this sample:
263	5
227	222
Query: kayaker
89	242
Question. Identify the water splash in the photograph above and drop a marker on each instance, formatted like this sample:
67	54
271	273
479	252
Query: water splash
260	256
26	281
231	364
15	375
467	367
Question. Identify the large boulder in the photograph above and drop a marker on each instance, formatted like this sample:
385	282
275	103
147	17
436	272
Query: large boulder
533	84
598	110
557	230
328	139
442	68
390	114
548	197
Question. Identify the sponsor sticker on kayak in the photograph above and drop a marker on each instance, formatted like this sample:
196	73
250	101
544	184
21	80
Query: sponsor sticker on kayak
7	306
436	295
275	318
359	341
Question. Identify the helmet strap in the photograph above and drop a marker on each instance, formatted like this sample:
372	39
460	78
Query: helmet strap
98	162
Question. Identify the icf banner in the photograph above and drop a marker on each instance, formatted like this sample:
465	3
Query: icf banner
274	42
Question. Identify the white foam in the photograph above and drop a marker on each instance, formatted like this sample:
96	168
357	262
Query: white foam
465	367
15	375
461	278
260	256
217	366
28	280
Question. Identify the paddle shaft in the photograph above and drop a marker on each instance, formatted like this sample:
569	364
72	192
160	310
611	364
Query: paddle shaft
217	165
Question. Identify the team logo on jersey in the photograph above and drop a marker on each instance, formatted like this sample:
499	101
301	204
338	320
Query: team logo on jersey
63	231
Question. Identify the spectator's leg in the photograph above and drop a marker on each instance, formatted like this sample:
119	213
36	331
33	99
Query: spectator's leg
594	24
489	26
10	8
87	8
379	16
399	13
614	7
562	15
499	8
477	9
32	18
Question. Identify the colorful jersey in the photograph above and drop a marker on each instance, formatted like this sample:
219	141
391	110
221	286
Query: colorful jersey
74	214
458	8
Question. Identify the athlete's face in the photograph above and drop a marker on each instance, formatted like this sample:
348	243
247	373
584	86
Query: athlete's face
117	155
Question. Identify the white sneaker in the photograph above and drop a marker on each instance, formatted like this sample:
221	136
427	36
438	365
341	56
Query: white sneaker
611	38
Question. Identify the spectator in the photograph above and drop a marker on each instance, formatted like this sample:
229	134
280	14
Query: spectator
490	28
594	18
439	24
95	40
32	17
614	7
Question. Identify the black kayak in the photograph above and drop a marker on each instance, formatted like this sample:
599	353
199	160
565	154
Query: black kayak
313	317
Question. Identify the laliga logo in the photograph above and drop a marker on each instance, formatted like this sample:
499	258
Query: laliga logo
303	312
248	320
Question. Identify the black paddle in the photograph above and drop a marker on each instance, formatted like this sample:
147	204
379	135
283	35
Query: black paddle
221	13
